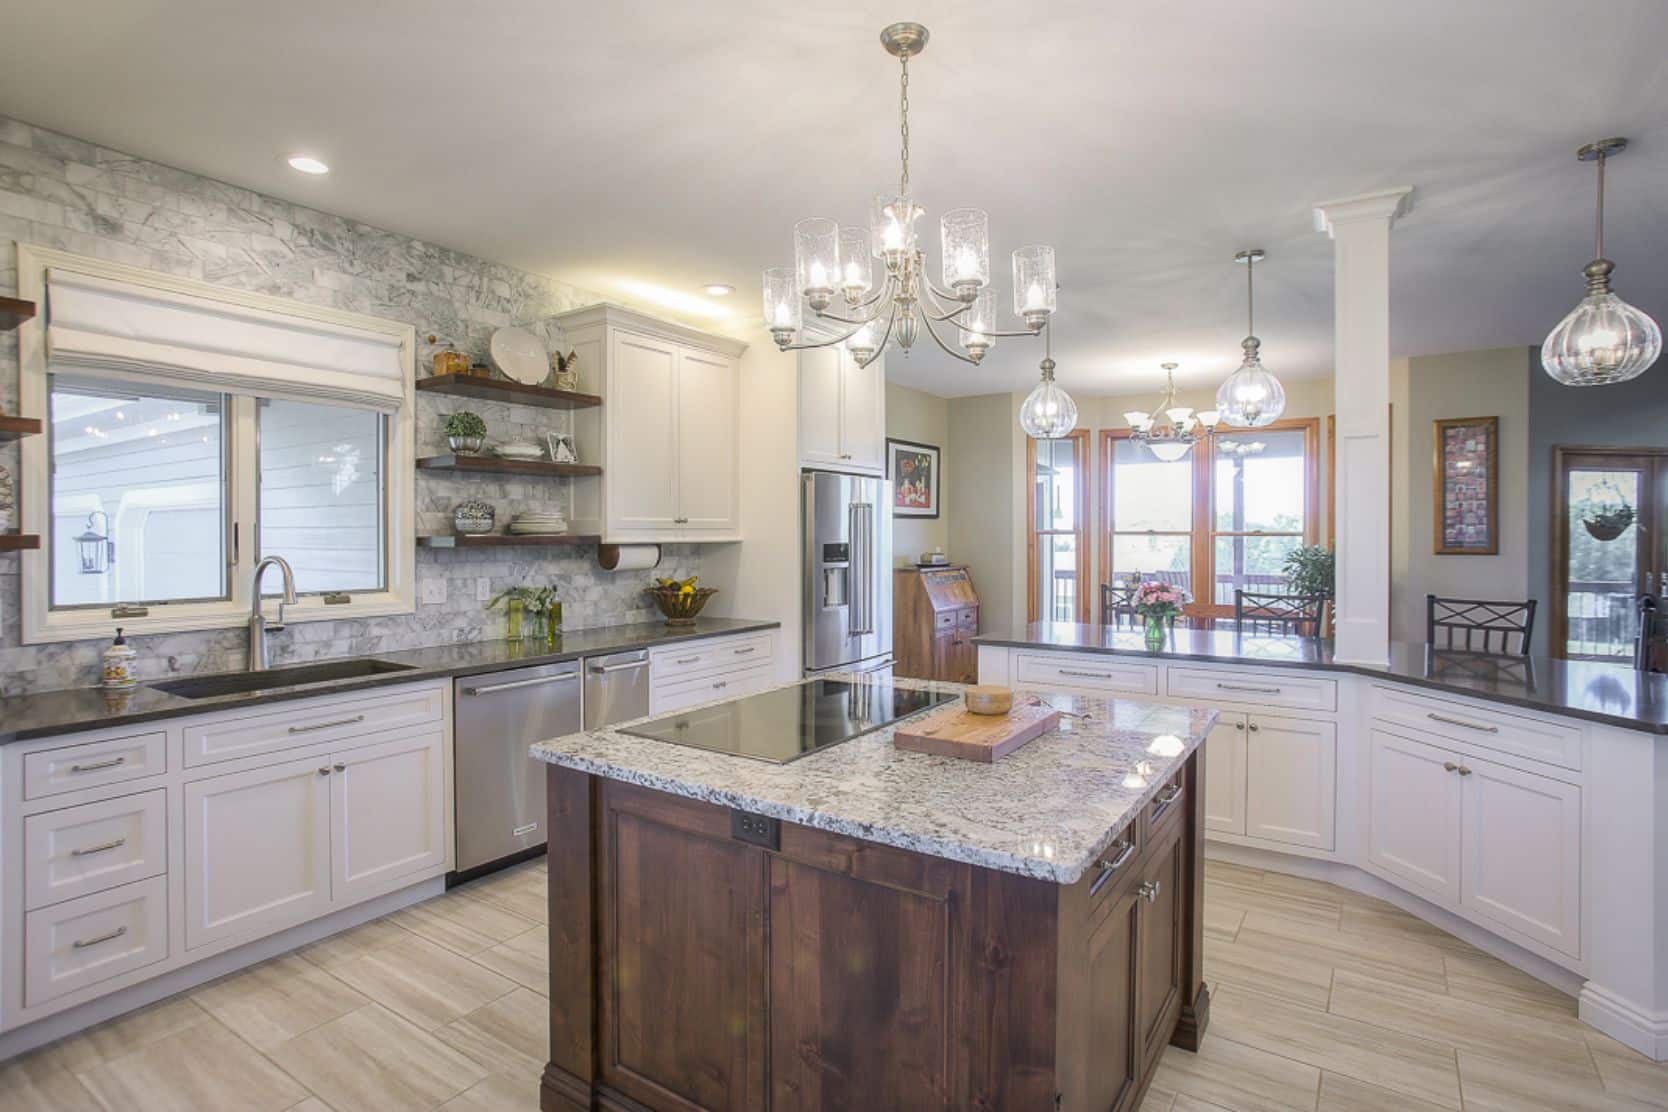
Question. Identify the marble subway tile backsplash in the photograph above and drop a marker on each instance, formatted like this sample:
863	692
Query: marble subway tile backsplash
59	191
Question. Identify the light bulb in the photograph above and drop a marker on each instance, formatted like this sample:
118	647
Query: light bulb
1034	298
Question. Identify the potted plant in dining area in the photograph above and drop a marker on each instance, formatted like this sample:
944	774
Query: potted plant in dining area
1312	571
1158	604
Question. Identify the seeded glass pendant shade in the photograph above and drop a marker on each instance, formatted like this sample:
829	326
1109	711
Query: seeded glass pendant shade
1251	397
1048	412
1604	340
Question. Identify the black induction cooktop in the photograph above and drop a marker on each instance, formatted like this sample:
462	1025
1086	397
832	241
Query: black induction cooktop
787	723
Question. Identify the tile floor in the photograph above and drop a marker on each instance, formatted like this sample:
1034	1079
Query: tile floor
1324	1000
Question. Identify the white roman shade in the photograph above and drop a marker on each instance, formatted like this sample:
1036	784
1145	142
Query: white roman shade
233	343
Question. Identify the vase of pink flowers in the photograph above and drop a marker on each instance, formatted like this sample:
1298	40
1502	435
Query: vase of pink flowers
1158	604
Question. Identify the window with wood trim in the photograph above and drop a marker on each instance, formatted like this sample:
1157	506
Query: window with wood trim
1058	527
1221	518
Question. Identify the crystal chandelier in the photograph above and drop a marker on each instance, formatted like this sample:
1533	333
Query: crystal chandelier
1604	340
1169	431
893	306
1251	397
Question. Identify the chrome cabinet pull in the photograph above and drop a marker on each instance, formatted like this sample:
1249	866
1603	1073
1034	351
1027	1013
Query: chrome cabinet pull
744	652
1089	675
88	851
97	765
326	725
1149	890
534	682
1163	799
689	660
1125	851
1462	722
83	943
1248	687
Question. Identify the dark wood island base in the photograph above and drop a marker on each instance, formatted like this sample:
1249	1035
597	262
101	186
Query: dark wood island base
694	965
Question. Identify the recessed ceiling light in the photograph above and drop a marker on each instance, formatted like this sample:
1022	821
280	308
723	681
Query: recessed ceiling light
718	289
308	164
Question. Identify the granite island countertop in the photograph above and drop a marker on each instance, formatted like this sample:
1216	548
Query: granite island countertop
1047	810
1611	694
46	713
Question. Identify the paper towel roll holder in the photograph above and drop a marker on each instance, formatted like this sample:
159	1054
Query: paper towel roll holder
608	555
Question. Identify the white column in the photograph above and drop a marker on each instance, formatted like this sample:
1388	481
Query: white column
1360	230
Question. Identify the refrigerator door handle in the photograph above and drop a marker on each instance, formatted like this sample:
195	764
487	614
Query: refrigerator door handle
863	567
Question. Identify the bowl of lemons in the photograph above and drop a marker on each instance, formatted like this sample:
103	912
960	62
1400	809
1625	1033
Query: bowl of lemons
680	599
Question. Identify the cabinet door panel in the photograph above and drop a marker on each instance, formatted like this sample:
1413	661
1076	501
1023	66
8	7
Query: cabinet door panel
819	407
707	442
1159	990
1114	1027
1521	853
863	414
1225	776
642	459
1413	820
388	813
1291	772
257	851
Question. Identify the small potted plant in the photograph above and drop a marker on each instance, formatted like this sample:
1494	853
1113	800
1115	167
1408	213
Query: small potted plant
546	609
465	432
1158	604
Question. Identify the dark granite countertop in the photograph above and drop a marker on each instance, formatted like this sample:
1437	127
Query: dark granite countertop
23	717
1613	694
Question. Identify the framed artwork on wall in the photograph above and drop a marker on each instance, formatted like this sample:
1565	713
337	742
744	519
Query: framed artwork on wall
915	472
1465	490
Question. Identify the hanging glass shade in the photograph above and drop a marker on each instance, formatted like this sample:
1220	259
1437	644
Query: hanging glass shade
1048	412
1251	397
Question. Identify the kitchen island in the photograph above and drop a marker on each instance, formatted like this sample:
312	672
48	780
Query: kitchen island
868	926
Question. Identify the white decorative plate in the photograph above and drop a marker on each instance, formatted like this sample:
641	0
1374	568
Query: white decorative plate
520	451
520	356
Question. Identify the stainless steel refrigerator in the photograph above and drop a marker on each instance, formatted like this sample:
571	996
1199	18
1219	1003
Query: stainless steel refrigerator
848	572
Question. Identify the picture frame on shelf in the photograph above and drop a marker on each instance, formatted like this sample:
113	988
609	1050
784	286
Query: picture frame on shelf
560	446
916	471
1466	486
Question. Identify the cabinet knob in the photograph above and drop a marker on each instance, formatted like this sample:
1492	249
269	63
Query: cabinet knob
1463	771
1239	726
1449	766
1148	891
1253	727
339	767
324	771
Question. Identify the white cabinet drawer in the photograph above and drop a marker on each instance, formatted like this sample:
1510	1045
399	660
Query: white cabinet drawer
80	850
311	721
1081	670
700	657
665	697
82	942
93	764
1555	743
1260	689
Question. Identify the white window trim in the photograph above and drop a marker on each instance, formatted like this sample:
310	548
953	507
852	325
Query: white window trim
43	625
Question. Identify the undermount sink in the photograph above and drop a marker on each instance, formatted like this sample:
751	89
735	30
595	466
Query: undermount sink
234	683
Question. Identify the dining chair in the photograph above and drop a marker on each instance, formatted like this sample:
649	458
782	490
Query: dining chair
1260	612
1117	604
1493	623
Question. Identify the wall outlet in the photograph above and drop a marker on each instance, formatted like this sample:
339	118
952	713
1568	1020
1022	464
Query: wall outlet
483	589
433	591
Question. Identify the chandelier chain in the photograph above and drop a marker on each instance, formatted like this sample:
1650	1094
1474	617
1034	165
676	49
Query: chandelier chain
903	116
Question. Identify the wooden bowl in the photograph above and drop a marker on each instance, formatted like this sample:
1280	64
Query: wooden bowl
988	698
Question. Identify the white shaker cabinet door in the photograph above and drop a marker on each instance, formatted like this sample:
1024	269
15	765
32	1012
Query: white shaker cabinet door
820	407
388	814
1291	774
707	477
1225	775
643	453
863	415
1521	852
257	851
1413	819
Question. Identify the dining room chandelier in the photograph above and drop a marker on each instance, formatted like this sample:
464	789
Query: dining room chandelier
892	307
1171	430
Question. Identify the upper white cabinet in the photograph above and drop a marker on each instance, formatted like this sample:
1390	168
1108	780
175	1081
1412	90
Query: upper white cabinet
667	435
842	412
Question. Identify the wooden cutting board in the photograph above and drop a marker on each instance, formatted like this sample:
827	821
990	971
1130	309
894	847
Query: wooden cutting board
955	732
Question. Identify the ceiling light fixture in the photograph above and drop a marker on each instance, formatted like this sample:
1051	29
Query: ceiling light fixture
1604	340
1171	429
1048	412
832	260
1251	397
307	164
718	289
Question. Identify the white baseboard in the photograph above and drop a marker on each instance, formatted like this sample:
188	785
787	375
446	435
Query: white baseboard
74	1019
1646	1033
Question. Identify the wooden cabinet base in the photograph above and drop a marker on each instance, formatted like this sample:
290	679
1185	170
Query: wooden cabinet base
691	969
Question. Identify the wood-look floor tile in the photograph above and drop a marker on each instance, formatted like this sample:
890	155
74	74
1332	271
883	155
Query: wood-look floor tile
524	959
461	922
1246	898
1187	1103
497	1094
1305	888
1391	921
352	944
1488	980
1221	920
203	1066
371	1060
524	893
1414	1067
277	1000
1400	960
43	1090
510	1036
311	1104
1339	1093
118	1036
1626	1072
1238	1076
1230	873
1273	967
427	984
1523	1084
1157	1099
1464	1024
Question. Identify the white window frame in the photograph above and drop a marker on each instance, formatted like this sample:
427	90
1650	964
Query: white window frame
43	625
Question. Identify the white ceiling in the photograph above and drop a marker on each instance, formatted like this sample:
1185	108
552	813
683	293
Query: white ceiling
630	146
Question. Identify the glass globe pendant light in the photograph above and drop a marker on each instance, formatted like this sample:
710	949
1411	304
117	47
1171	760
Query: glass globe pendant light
1048	412
1604	340
1251	397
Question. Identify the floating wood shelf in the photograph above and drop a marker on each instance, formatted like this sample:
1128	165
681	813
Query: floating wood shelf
502	390
501	465
504	540
17	542
16	428
14	311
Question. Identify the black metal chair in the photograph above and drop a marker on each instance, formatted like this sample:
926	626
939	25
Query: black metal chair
1116	604
1297	615
1650	651
1493	623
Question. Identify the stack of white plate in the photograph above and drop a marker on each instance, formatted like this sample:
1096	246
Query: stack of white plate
520	450
537	524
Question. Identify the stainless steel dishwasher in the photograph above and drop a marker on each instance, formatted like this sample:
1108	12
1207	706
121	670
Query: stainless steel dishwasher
499	795
616	688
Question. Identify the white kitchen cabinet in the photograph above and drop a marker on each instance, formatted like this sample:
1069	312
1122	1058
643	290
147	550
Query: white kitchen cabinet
387	814
668	434
842	412
1520	852
1225	775
1291	775
1414	807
